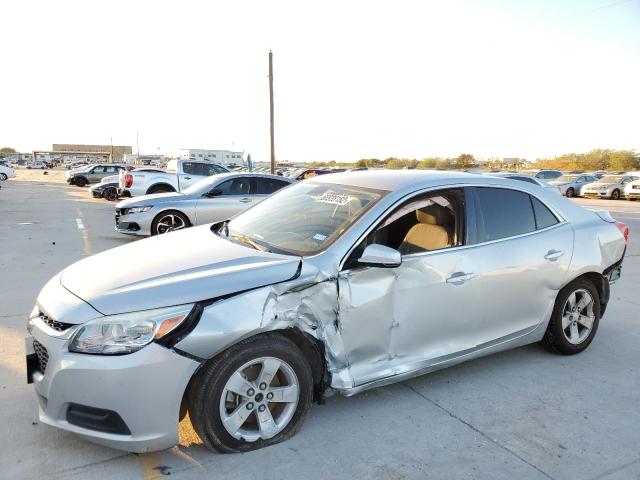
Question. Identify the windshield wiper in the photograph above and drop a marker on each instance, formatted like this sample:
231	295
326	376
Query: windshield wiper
248	241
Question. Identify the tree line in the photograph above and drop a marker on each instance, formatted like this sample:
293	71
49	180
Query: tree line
598	159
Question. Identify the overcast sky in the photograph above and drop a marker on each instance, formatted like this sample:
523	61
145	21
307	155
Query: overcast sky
352	79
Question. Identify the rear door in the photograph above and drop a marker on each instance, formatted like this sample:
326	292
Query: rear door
96	174
523	251
224	200
265	186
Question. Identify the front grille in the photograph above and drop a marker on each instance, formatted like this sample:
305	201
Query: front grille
42	354
57	326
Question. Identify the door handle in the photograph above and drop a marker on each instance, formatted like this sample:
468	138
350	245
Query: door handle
553	255
245	200
458	278
187	178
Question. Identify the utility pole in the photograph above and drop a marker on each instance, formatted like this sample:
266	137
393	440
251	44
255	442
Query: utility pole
273	148
137	150
111	158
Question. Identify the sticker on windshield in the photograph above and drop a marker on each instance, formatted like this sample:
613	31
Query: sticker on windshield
319	237
333	198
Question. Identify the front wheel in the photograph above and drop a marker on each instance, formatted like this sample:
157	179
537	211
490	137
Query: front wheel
575	319
169	221
3	177
110	194
80	182
255	394
570	193
615	195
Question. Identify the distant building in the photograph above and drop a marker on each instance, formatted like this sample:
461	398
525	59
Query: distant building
223	157
114	152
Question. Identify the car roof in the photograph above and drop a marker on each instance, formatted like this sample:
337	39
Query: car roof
394	179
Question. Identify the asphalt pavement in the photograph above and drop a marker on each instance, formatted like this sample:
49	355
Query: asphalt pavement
523	414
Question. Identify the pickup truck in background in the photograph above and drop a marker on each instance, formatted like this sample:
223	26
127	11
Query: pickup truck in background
179	175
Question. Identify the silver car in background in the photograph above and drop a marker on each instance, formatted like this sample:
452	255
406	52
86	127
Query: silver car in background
609	186
528	179
339	283
571	185
212	199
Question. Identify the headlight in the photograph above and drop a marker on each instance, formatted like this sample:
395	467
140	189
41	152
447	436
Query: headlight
128	332
137	209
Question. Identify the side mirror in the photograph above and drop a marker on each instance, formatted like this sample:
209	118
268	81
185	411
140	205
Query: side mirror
376	255
213	193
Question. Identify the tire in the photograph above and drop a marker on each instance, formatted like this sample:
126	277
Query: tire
206	408
559	334
615	195
110	194
80	182
162	188
3	177
169	221
570	193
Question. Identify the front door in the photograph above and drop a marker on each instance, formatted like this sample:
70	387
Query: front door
224	201
397	320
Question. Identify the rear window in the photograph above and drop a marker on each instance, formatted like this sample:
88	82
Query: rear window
544	217
503	213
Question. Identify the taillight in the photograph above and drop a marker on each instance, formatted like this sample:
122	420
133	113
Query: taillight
128	180
624	229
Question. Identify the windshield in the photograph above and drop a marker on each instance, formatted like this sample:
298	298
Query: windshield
202	187
611	179
303	219
567	178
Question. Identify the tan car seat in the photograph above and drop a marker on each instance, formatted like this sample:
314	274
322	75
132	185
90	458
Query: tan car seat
432	231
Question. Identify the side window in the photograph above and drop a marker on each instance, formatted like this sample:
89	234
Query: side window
236	186
98	169
190	168
544	217
503	213
424	223
110	169
266	186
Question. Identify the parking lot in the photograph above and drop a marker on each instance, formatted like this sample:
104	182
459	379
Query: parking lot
523	414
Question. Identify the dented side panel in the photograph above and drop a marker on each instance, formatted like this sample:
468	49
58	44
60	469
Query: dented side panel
308	303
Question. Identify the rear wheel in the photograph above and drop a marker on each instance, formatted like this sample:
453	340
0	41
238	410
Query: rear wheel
570	192
255	394
169	221
575	319
615	195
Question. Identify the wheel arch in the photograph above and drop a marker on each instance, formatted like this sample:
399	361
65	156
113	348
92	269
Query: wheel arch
600	282
153	188
173	209
312	349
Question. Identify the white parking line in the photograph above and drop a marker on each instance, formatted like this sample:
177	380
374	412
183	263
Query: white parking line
79	224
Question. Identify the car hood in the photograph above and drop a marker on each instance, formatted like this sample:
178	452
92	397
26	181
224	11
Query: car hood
172	269
152	199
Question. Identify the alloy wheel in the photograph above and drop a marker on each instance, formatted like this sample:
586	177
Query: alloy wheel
578	316
170	223
3	177
259	399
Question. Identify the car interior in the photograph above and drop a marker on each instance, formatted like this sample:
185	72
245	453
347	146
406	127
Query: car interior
423	224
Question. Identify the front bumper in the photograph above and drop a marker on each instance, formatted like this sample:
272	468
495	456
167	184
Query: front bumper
144	389
596	194
134	223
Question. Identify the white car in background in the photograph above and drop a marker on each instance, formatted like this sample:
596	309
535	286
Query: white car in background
180	175
6	173
632	189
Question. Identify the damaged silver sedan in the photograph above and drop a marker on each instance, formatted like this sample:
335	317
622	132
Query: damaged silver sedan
337	284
